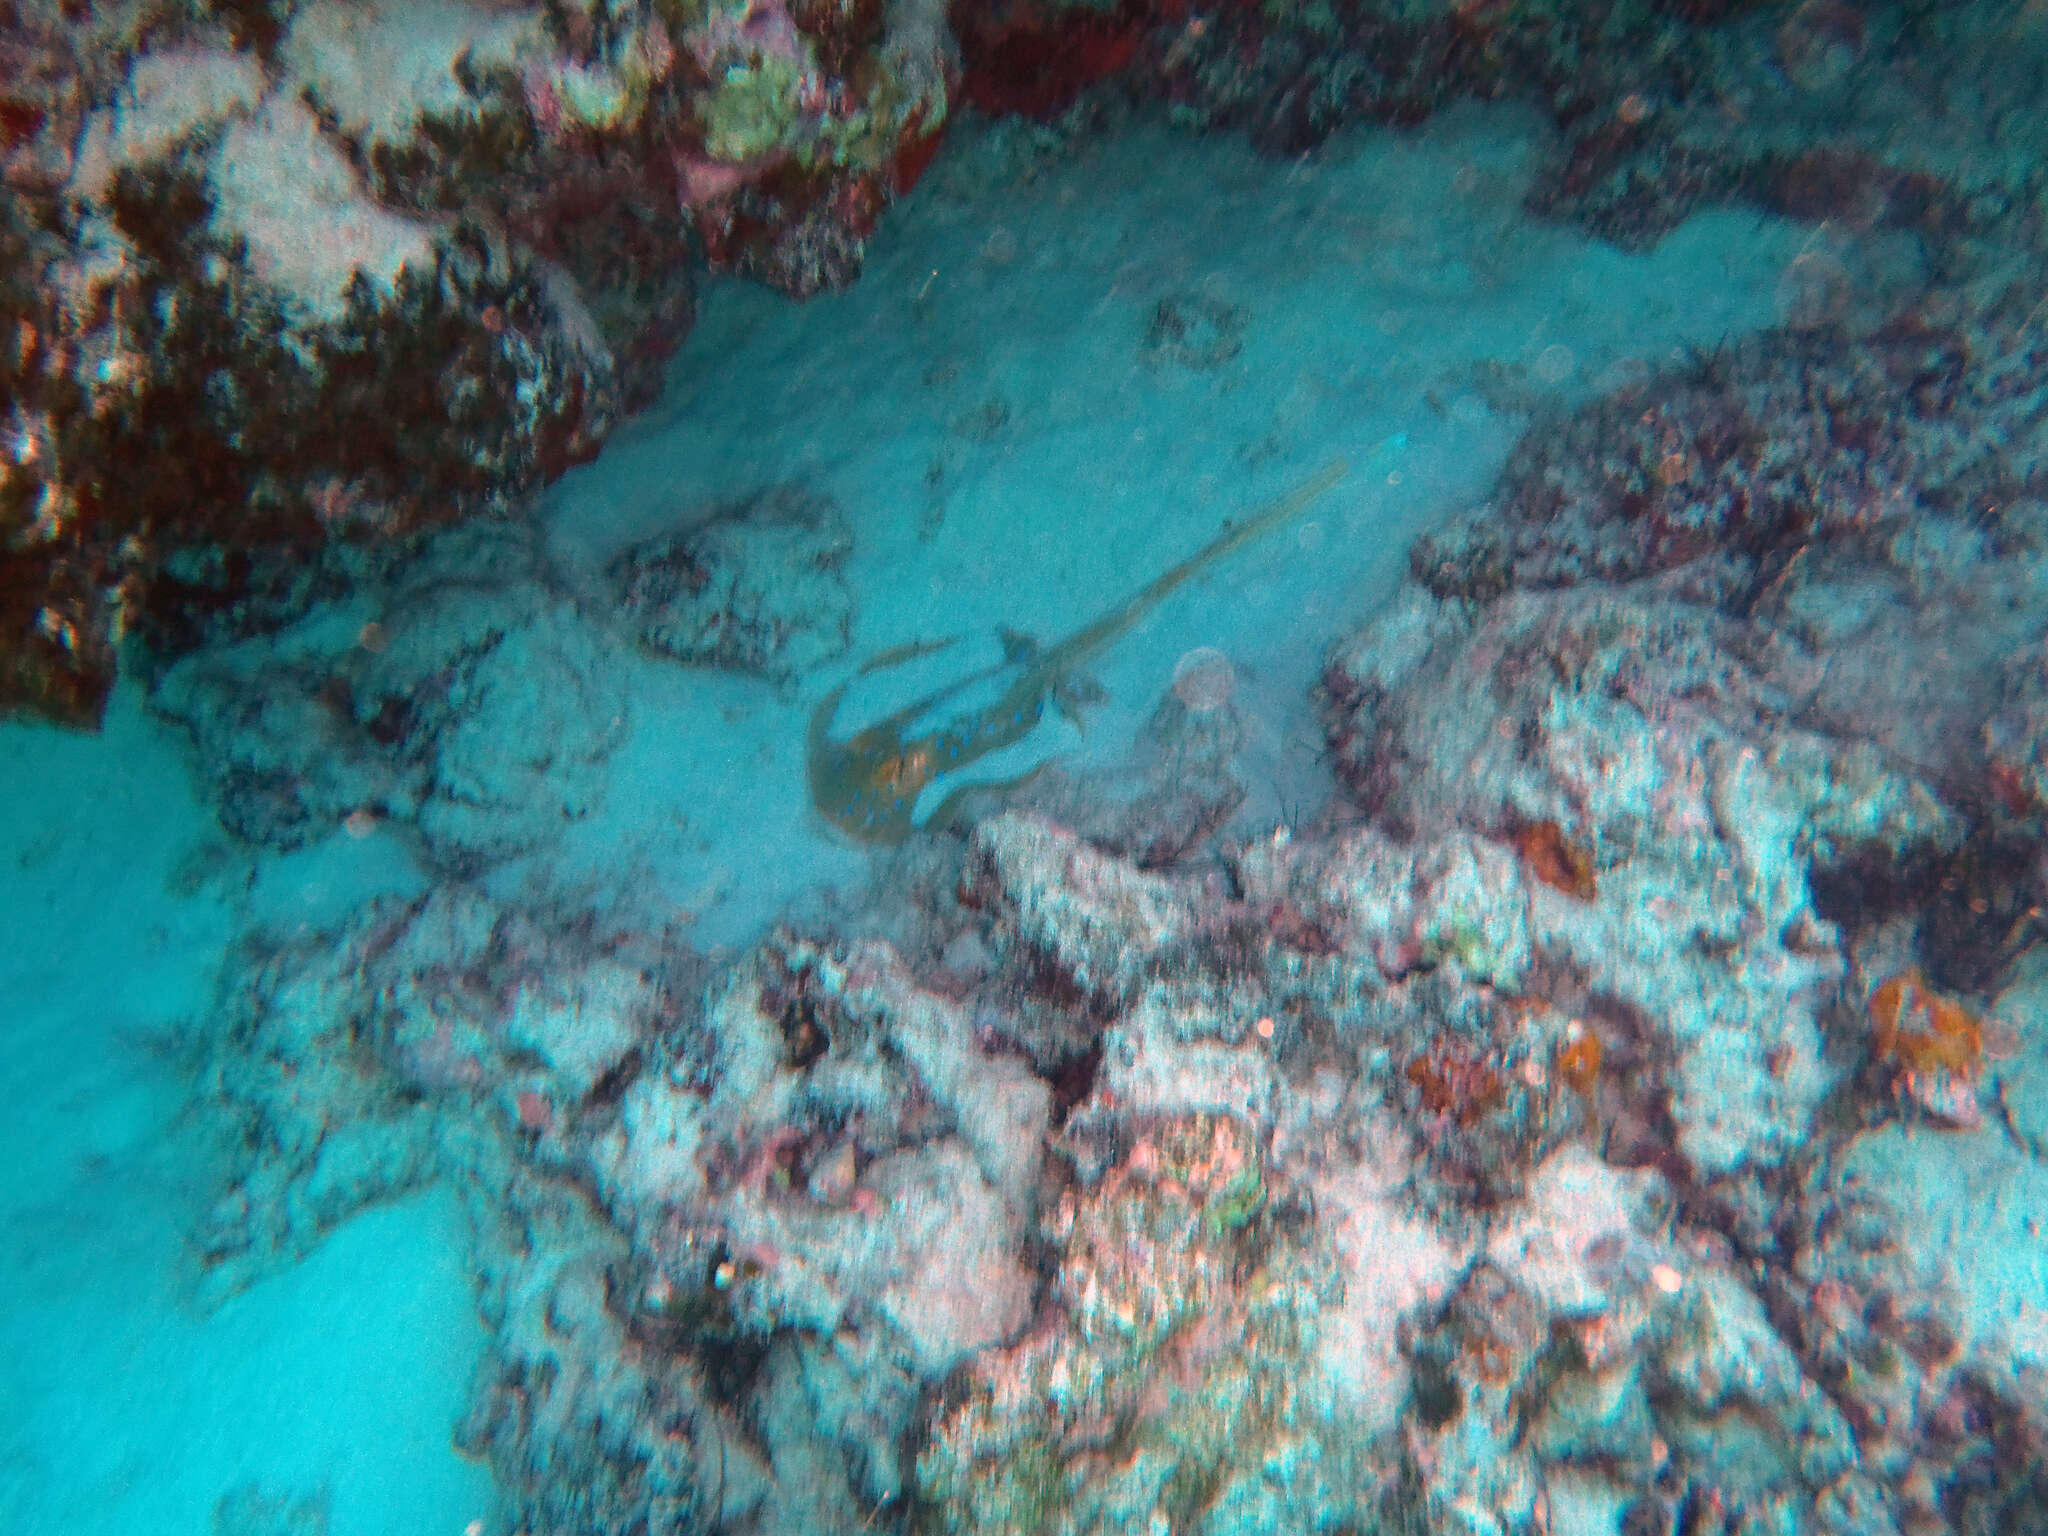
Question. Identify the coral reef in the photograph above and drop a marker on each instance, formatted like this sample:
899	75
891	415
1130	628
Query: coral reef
456	697
172	463
351	271
1624	1110
755	587
1163	1392
1692	794
1681	643
1329	1232
807	1186
283	284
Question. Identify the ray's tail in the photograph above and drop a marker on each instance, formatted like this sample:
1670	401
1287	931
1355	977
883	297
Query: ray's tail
1112	625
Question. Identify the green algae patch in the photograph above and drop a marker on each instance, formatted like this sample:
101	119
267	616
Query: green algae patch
753	111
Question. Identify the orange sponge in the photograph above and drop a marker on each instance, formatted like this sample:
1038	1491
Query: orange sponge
1923	1031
